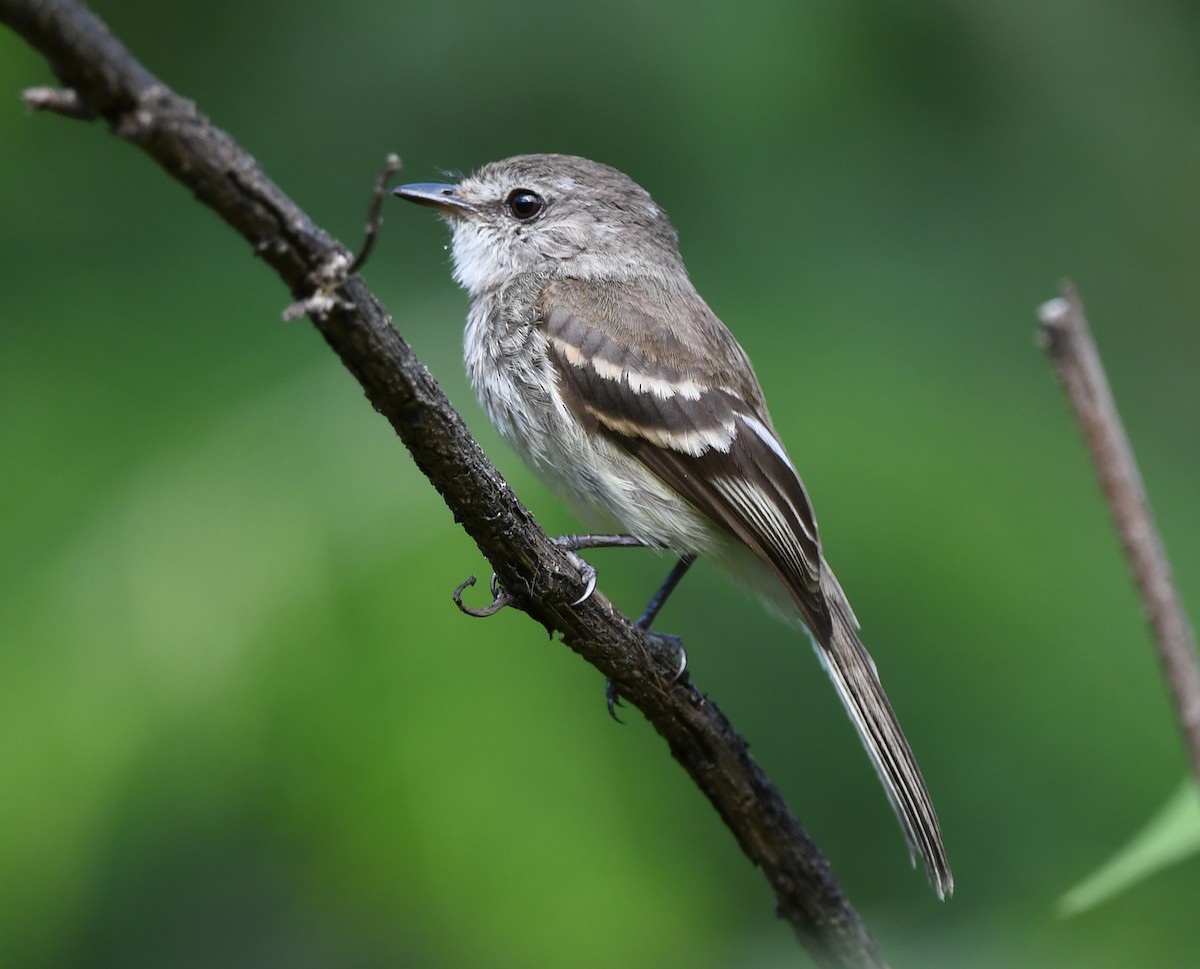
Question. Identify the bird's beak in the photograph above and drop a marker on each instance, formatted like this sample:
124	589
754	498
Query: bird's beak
444	198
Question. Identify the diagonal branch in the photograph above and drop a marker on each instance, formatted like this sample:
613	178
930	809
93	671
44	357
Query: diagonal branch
103	80
1068	339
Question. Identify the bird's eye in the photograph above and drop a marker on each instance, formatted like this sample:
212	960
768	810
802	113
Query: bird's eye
524	204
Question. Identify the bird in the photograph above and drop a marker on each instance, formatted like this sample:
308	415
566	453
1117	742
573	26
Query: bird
598	361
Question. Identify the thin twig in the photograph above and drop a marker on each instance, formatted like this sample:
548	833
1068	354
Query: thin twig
500	599
1069	341
374	214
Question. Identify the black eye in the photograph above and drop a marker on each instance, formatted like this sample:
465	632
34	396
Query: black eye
524	204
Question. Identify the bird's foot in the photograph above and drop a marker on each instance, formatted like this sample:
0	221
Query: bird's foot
665	641
613	698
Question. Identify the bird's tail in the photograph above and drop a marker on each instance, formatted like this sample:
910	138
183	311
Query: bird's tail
853	673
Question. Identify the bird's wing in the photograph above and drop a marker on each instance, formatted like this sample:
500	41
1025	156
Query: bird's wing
687	405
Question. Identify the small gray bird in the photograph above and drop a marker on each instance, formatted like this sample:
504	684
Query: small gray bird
598	361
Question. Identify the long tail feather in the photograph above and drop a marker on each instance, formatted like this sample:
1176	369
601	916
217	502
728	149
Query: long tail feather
853	673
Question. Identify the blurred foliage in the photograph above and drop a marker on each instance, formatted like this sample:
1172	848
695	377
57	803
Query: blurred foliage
242	724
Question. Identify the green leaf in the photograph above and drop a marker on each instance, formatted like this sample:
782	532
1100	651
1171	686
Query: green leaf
1170	836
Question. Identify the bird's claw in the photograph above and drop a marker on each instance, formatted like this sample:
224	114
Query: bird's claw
569	543
664	641
614	699
675	643
589	576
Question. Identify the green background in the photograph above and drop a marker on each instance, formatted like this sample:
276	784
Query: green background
241	723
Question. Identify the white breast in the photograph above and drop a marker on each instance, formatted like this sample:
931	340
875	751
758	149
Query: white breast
518	387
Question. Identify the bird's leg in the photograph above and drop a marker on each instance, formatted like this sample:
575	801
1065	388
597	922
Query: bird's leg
574	543
647	618
660	597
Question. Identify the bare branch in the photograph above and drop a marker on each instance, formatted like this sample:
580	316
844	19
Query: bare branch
1069	341
538	576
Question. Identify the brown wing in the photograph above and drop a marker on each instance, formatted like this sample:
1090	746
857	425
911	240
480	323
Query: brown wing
687	405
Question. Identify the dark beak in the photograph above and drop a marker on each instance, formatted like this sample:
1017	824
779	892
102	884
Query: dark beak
444	198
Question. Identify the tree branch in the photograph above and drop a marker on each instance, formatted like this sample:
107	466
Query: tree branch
103	80
1068	339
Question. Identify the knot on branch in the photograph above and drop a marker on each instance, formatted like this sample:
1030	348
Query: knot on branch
154	105
325	280
65	101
